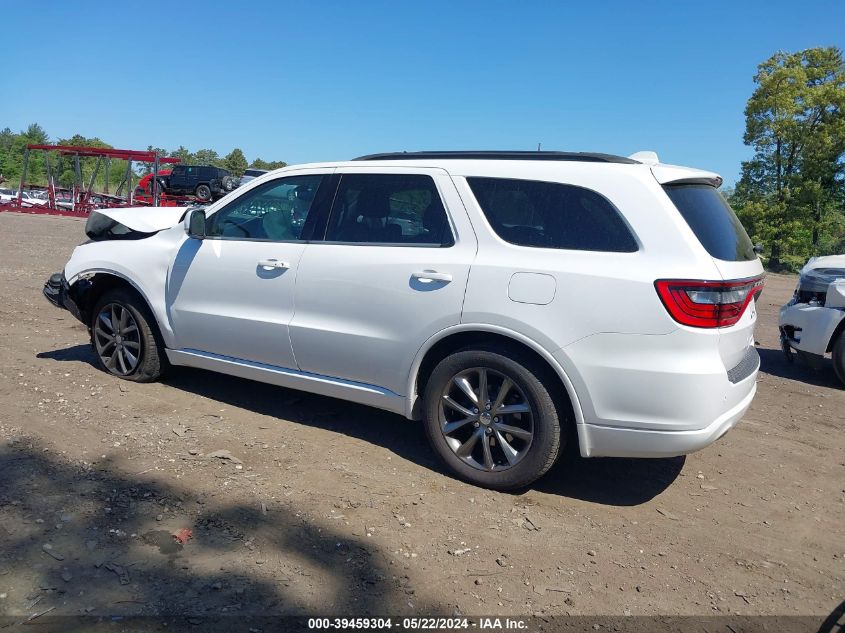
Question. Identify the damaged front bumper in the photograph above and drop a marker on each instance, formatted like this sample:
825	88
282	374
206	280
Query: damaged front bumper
809	330
57	292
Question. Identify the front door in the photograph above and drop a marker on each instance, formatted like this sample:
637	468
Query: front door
390	273
231	294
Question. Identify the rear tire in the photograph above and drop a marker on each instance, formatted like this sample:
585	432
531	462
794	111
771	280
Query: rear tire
518	419
125	337
839	357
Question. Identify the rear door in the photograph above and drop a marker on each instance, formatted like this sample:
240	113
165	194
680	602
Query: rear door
390	273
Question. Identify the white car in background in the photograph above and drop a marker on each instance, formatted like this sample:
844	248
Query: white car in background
813	322
250	175
28	198
7	195
514	301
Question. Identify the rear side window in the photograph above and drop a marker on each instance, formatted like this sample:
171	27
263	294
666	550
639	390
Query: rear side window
388	209
552	215
713	221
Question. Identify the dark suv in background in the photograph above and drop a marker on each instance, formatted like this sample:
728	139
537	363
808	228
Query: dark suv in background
206	183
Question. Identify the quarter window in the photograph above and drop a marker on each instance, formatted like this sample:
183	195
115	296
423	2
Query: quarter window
551	215
276	211
388	209
713	221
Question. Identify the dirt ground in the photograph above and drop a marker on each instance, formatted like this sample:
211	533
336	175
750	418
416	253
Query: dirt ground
334	508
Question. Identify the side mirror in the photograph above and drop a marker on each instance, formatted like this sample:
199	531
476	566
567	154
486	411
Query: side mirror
758	248
195	224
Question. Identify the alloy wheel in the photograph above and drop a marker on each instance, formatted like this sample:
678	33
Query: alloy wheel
486	419
117	339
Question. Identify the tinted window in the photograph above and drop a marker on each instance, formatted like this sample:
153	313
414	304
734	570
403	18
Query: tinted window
551	215
713	221
388	209
276	211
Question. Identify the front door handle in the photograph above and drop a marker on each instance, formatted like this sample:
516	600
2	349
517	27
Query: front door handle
432	275
270	264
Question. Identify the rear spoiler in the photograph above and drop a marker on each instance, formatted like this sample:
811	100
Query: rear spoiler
675	174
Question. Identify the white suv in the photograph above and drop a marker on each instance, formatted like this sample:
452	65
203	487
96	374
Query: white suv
512	300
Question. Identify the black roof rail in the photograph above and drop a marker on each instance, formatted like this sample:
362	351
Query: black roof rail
587	157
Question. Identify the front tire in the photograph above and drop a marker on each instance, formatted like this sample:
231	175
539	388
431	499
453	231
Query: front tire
203	192
125	338
492	419
838	356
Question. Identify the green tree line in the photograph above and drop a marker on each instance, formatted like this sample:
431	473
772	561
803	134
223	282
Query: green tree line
791	195
12	147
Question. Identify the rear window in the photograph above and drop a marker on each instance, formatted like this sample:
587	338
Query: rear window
713	221
552	215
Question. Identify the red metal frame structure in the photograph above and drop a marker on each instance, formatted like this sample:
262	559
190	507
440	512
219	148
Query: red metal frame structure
81	195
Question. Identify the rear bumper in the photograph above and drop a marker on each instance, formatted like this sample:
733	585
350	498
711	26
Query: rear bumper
656	396
608	441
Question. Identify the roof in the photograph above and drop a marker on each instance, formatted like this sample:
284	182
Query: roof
505	164
587	157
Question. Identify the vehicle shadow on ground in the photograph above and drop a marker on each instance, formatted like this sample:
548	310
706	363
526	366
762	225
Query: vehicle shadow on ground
73	354
90	540
774	363
607	481
611	481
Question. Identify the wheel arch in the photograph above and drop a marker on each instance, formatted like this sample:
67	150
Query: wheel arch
87	287
838	331
451	339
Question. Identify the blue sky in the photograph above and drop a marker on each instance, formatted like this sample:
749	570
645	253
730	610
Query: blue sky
309	81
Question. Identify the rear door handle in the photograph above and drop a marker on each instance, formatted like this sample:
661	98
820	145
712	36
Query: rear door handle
270	264
431	275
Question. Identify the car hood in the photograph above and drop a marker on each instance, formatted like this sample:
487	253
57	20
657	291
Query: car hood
826	261
820	272
145	219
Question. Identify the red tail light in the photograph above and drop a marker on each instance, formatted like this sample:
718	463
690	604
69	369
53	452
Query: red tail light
708	304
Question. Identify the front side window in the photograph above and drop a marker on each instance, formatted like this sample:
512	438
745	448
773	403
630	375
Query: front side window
388	209
276	211
551	215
